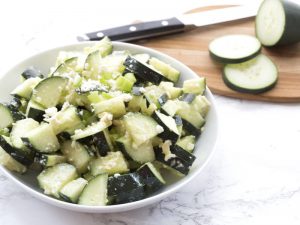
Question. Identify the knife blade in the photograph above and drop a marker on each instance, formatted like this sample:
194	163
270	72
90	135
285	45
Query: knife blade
172	25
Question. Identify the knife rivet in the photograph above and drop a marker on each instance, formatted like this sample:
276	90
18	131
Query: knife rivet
100	34
164	23
132	28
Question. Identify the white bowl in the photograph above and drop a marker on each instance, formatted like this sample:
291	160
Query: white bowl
203	151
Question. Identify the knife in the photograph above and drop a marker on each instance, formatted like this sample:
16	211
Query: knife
172	25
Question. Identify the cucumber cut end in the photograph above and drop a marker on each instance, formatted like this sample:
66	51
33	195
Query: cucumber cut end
270	22
254	76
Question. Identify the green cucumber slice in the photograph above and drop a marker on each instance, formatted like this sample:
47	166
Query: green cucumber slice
254	76
234	48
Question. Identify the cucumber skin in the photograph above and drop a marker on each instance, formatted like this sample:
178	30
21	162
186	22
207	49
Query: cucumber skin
291	33
15	153
233	61
245	90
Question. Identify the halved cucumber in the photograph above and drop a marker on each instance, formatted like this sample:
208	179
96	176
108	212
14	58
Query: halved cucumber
48	92
235	48
254	76
278	22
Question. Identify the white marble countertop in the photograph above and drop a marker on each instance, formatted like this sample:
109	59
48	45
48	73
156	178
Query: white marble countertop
254	177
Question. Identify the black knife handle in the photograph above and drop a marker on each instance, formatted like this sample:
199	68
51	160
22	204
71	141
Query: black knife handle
137	31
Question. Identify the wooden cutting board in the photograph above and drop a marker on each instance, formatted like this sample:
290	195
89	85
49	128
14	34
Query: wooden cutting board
191	48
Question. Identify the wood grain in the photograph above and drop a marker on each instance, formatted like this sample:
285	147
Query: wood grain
191	48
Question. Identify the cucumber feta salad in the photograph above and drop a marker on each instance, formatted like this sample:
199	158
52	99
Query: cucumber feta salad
103	125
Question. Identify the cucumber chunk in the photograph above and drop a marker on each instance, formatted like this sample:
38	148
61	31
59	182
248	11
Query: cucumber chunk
151	177
18	154
6	116
175	157
141	154
168	71
49	91
113	162
115	106
19	130
104	46
143	71
35	111
25	89
141	128
67	120
125	188
168	124
187	143
10	163
95	136
77	155
254	76
95	192
72	190
42	139
52	179
48	160
194	86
